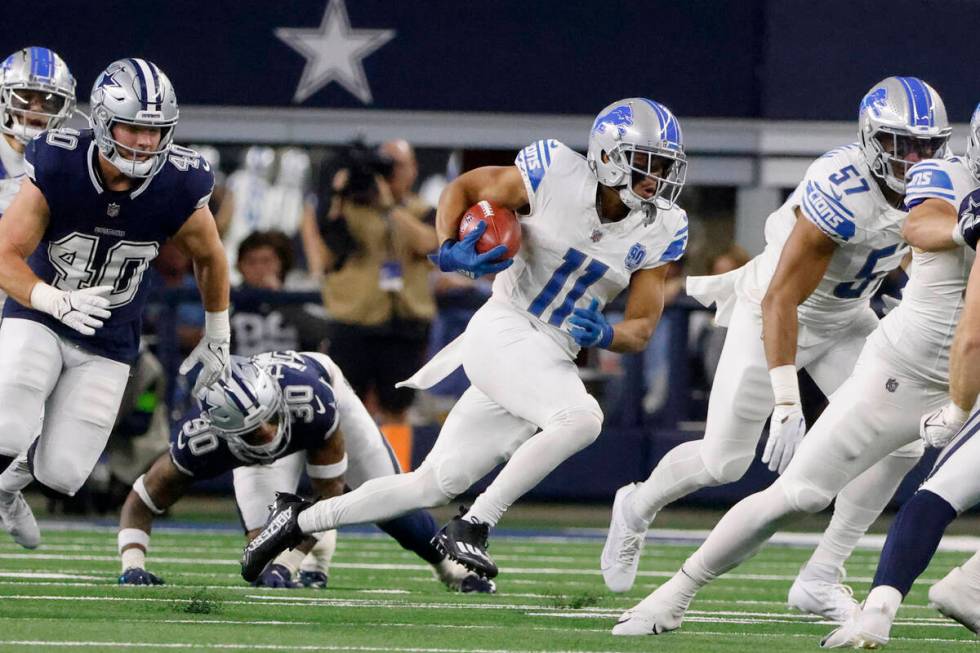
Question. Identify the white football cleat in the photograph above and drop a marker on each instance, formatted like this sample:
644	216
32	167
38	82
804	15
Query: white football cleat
957	598
18	520
868	628
621	553
820	596
650	619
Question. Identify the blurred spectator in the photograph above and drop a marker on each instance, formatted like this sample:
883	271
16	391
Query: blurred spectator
288	205
375	237
241	211
258	324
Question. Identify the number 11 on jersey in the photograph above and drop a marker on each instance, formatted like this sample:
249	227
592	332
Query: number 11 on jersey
573	260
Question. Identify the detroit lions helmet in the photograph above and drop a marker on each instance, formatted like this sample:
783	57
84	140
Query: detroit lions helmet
245	397
134	92
631	126
973	144
907	115
41	71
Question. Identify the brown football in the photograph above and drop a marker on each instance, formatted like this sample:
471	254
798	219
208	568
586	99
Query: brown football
503	228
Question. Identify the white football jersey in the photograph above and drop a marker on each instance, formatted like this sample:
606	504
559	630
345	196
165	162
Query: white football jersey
11	173
919	332
839	195
568	257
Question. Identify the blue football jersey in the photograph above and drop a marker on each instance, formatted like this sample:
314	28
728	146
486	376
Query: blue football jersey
100	237
198	451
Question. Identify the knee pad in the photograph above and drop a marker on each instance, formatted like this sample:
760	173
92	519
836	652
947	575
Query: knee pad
725	464
443	481
913	449
803	496
582	423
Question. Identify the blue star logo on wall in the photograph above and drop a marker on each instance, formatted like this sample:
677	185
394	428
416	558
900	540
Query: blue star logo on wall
334	53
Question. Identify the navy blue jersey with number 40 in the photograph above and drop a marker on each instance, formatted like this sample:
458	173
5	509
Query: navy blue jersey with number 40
98	237
199	452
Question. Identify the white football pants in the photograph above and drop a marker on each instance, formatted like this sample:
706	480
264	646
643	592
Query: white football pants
741	400
955	476
522	381
874	413
77	392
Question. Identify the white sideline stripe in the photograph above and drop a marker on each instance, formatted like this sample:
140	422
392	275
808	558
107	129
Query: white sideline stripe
232	621
43	575
958	543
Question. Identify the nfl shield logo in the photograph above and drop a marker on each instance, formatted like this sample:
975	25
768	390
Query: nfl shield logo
891	385
635	256
112	210
596	236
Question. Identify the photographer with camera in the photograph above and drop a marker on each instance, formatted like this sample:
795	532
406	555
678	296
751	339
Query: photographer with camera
374	234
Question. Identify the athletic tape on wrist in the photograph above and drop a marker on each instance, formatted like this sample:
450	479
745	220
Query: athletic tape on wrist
785	386
327	471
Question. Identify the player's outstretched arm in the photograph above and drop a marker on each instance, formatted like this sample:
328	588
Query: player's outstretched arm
964	372
152	493
501	185
199	239
932	226
801	266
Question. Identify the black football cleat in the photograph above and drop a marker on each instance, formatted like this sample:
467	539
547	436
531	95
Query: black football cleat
465	542
281	532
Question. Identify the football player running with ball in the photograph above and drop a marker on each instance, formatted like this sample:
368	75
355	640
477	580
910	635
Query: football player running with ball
828	248
75	246
901	373
268	418
591	227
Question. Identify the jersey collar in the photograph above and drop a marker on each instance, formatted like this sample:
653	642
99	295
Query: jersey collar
96	179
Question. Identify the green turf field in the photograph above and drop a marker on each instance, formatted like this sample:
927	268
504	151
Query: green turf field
551	598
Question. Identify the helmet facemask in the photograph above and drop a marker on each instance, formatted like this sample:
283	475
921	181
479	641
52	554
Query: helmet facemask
891	149
15	110
242	442
636	162
132	166
973	145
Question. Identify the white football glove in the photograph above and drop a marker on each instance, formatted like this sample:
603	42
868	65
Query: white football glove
786	430
212	352
940	426
83	310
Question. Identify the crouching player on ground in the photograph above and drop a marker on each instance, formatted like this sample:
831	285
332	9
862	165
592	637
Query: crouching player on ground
264	418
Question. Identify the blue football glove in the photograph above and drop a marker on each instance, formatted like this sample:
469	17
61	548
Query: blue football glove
590	328
461	255
275	575
137	576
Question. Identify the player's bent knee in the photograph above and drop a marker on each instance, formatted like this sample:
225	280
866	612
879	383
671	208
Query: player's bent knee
804	497
581	425
725	466
441	482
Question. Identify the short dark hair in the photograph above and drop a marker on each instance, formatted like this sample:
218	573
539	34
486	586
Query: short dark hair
277	240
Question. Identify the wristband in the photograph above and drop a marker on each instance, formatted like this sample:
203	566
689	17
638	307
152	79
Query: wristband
217	324
44	297
957	413
785	386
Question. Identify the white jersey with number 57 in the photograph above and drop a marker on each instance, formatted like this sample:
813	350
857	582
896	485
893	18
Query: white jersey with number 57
919	332
840	197
568	257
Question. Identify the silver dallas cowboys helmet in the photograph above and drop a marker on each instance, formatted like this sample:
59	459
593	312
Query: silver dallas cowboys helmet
134	92
37	70
243	398
638	125
907	114
973	144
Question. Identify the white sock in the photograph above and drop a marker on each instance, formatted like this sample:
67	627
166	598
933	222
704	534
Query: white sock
971	568
17	476
321	555
566	434
744	529
377	500
677	474
885	598
857	507
681	588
